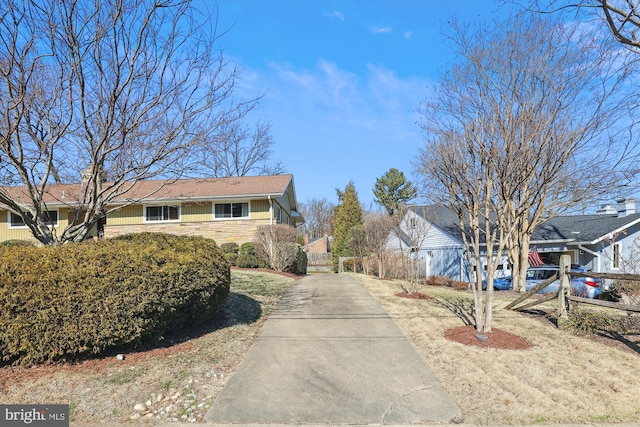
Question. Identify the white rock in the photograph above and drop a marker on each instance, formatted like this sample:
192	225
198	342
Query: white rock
135	416
120	356
140	407
148	403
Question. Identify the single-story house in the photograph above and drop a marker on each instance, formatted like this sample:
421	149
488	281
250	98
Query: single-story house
603	241
223	209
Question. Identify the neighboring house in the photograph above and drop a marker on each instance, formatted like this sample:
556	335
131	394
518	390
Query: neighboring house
316	246
318	251
432	231
223	209
603	241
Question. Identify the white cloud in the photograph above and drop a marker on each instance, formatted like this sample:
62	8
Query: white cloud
381	29
408	34
335	14
324	86
355	125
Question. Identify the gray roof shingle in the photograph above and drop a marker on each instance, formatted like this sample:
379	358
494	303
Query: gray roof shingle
574	228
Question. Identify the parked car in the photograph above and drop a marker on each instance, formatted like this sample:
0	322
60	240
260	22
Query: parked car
588	287
499	283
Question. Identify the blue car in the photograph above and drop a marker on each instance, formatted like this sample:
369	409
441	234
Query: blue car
587	287
499	283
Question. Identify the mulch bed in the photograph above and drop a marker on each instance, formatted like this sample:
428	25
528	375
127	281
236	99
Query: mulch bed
413	295
496	339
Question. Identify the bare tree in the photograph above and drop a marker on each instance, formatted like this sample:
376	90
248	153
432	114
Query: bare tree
621	17
122	91
236	150
359	245
318	215
377	226
416	229
276	244
526	126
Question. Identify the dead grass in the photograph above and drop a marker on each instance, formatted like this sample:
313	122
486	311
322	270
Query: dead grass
562	378
196	366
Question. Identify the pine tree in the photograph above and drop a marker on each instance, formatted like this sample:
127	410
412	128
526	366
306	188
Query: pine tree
393	190
348	215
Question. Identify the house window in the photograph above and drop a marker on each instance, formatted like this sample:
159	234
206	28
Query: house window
162	213
50	217
616	255
231	210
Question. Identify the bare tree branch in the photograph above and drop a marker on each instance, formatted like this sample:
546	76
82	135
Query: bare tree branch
530	123
124	91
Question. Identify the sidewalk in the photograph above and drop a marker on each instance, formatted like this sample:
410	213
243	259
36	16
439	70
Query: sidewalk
329	354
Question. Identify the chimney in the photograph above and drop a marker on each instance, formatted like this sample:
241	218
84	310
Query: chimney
607	210
626	207
88	171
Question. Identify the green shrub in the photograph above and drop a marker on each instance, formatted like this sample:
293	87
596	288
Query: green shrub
587	321
249	261
16	242
353	265
248	248
62	303
229	248
231	258
247	257
300	267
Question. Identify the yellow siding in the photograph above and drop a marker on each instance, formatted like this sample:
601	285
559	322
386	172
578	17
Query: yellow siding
7	233
196	219
260	209
126	216
196	212
24	233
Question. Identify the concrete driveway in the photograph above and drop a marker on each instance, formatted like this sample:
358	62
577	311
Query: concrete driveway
329	354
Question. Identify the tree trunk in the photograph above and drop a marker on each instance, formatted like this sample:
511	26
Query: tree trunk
518	277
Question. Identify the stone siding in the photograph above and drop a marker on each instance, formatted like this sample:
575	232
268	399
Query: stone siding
239	231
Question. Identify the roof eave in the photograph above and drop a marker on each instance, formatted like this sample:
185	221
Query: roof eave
614	232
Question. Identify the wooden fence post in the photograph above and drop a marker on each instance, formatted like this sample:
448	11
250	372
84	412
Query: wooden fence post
565	285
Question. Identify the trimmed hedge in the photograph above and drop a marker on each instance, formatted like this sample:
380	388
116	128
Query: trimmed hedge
229	248
248	248
231	258
62	303
247	257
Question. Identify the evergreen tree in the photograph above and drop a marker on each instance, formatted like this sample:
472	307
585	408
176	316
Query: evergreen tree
348	215
393	190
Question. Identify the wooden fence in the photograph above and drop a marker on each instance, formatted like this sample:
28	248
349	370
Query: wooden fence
564	294
314	258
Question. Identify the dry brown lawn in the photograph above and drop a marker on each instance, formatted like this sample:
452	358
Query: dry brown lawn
561	378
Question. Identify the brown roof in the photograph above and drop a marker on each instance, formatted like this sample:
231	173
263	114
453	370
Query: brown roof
157	190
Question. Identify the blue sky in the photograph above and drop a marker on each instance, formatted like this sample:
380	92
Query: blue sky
343	79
